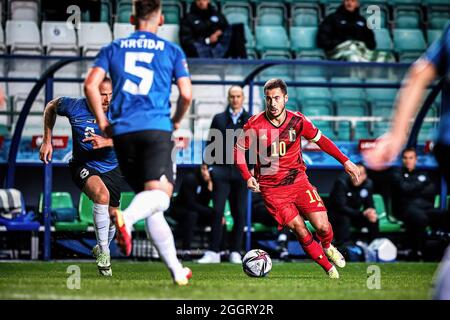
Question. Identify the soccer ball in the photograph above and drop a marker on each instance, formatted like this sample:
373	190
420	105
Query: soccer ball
257	263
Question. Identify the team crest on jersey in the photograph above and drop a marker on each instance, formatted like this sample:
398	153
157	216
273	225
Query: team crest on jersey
89	131
292	135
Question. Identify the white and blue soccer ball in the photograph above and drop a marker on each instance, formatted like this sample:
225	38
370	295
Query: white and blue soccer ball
257	263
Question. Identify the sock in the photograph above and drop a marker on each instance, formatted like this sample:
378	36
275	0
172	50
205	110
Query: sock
161	235
111	233
101	225
144	204
325	239
314	250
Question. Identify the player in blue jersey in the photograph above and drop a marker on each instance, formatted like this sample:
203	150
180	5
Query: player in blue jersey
94	166
434	64
142	68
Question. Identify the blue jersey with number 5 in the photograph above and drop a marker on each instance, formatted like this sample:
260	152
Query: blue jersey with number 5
142	68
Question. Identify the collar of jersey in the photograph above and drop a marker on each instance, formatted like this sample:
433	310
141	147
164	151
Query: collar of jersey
265	114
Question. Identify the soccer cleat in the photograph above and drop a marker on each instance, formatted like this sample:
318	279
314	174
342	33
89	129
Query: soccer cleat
333	273
96	251
235	257
184	279
210	257
123	235
335	256
104	264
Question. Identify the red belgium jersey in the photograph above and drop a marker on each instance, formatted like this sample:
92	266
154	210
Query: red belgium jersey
276	150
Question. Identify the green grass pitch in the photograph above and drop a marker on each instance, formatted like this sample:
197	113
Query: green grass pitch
151	280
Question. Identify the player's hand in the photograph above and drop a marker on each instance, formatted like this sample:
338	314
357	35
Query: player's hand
386	150
371	215
176	125
253	185
98	142
215	36
352	170
46	152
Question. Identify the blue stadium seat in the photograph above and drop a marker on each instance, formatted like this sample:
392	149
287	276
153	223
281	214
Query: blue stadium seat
409	43
303	42
172	11
307	94
305	15
408	17
271	14
272	40
238	12
433	35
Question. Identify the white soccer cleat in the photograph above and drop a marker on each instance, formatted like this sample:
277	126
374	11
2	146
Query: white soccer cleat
183	278
335	256
96	251
104	264
333	273
210	257
235	257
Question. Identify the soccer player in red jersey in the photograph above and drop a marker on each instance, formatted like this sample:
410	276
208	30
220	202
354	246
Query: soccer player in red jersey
272	141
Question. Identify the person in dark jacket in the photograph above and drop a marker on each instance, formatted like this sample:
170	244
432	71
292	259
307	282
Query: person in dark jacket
343	25
191	206
227	181
205	33
351	205
413	202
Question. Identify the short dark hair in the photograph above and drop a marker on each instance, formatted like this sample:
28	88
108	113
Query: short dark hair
276	83
107	79
409	149
144	8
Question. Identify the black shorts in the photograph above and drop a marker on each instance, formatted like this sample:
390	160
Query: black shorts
144	156
113	180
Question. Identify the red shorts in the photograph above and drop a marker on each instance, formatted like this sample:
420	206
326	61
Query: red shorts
284	203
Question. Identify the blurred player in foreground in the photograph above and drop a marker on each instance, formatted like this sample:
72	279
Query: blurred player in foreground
272	139
142	67
434	64
94	167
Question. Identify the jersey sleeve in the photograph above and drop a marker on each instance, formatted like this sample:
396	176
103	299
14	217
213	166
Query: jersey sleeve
245	138
241	147
181	68
309	130
103	58
437	53
66	106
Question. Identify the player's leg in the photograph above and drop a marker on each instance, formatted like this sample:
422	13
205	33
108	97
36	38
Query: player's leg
311	247
311	206
238	206
96	190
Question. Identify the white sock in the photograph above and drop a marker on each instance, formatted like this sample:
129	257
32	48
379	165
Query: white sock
111	233
101	225
144	204
161	235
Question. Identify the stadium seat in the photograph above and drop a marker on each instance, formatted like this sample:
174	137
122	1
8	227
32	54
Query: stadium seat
271	14
24	10
437	201
23	37
386	223
92	36
376	95
19	91
409	17
383	40
124	10
238	12
172	11
2	41
409	43
169	32
433	35
122	30
305	15
58	39
303	42
85	207
250	43
307	94
272	40
438	17
326	127
64	200
344	94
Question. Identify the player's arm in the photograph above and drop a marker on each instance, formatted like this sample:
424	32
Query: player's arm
184	100
92	92
46	149
240	148
410	96
98	141
328	146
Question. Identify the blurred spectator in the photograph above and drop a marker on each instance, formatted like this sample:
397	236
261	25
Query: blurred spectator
261	215
191	206
344	35
413	202
227	181
351	205
205	33
57	10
